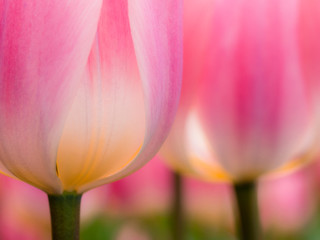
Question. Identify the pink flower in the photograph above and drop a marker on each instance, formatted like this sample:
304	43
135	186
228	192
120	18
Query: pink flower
288	203
88	89
245	108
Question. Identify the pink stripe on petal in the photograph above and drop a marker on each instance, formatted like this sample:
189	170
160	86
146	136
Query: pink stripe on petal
44	46
108	116
157	37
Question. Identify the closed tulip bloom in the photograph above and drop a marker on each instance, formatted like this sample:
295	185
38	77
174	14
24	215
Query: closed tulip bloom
245	108
88	89
254	104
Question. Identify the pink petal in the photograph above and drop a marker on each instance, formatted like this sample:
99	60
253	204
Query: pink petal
106	126
187	150
157	40
44	46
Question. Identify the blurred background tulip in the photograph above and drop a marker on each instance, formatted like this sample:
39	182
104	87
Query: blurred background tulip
288	202
246	108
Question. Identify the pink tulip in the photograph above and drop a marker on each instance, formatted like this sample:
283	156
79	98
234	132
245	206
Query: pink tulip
287	203
88	89
245	109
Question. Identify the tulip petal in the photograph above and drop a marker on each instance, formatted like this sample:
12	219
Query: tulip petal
157	39
253	103
187	149
106	126
44	47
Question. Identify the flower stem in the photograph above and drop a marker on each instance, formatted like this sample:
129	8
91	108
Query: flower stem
65	216
249	223
177	207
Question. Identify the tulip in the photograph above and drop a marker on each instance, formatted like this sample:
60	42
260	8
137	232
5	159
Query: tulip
245	109
88	90
288	203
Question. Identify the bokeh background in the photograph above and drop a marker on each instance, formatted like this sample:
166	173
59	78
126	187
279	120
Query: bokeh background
138	207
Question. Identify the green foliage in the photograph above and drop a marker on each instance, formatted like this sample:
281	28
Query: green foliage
158	228
100	228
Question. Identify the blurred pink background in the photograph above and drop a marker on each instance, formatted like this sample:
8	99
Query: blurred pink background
286	202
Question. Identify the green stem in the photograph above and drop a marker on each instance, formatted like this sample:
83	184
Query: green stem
249	223
65	216
177	207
